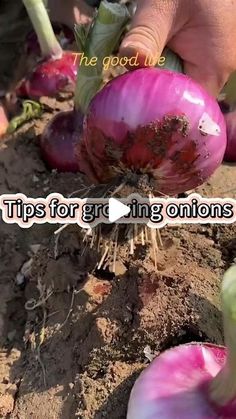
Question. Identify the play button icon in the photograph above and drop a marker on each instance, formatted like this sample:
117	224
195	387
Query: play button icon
117	210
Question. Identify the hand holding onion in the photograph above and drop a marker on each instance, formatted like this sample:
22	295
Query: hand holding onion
202	33
149	121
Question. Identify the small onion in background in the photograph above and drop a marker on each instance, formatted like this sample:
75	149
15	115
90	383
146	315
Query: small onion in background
58	68
192	381
60	140
62	136
50	77
157	122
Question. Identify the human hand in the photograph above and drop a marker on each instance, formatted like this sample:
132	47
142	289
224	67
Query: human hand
201	32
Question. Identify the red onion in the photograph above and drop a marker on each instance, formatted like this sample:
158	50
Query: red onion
159	122
195	381
50	77
230	154
3	121
60	70
59	141
61	137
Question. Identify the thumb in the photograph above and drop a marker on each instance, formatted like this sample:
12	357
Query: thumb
149	32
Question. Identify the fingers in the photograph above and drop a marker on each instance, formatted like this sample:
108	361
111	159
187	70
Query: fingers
210	67
206	43
150	30
212	81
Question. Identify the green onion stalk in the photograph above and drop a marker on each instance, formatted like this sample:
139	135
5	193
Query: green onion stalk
99	42
38	15
61	140
43	80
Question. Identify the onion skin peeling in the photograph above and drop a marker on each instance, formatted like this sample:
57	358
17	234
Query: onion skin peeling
196	381
58	69
157	122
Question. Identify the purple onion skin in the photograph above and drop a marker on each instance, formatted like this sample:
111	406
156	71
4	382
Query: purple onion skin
174	385
230	153
50	77
147	120
59	141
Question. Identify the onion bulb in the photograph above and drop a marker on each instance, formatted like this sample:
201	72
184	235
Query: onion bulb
59	141
50	77
63	136
157	122
195	381
58	69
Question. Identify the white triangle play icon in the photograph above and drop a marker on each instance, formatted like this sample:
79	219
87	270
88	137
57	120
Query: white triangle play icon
117	210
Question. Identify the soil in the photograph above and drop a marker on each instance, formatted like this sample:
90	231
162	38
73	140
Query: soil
74	339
